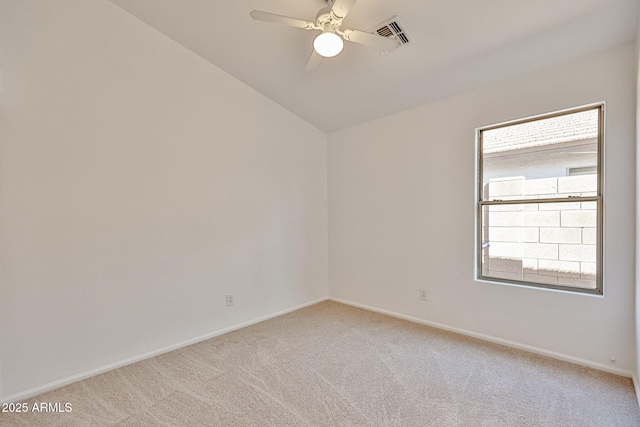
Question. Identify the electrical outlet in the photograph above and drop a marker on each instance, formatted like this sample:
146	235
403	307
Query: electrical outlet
229	300
423	294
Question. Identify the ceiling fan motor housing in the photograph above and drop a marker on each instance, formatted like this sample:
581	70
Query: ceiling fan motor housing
327	20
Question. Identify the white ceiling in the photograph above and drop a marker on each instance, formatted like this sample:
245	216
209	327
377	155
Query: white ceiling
456	46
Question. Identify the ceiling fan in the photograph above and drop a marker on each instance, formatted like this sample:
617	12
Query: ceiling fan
329	22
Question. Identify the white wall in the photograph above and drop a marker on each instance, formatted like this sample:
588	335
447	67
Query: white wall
637	234
394	227
139	185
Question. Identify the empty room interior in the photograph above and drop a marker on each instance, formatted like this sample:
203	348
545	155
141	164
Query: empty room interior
208	216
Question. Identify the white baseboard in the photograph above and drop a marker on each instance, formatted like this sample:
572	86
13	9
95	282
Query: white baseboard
508	343
636	386
92	372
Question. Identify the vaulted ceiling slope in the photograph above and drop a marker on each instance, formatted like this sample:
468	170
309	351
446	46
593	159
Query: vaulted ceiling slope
455	46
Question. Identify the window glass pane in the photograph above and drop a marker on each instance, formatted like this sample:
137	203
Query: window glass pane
555	157
548	243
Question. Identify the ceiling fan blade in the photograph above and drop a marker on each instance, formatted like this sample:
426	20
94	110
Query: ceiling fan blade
372	40
340	8
279	19
314	60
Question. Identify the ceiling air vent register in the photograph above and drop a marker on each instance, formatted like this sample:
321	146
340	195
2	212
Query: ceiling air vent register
395	29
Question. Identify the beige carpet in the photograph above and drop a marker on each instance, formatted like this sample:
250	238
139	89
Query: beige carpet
334	365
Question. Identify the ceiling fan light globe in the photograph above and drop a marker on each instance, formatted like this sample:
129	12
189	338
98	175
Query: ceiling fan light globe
328	44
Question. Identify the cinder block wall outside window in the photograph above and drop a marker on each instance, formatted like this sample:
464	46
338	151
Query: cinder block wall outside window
542	242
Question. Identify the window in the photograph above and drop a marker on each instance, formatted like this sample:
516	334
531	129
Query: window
540	201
